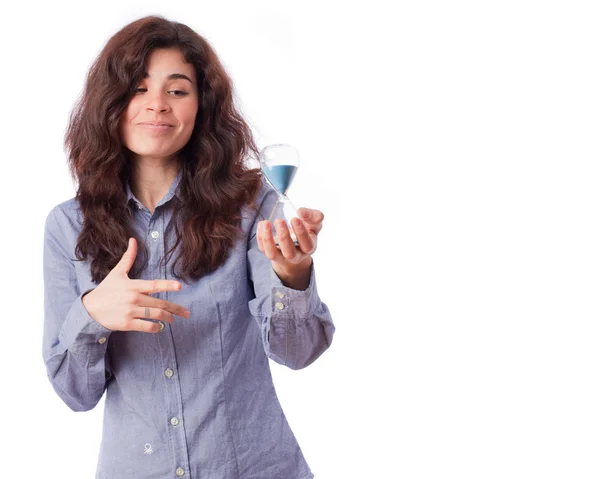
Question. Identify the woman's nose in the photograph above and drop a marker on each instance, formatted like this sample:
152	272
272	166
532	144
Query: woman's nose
157	102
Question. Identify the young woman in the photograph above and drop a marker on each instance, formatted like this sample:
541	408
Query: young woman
163	283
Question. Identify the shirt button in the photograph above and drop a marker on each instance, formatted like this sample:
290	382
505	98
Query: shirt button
179	471
102	340
139	206
174	421
279	294
279	306
169	373
162	326
154	234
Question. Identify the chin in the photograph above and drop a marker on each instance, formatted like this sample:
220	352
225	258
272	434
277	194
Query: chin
153	153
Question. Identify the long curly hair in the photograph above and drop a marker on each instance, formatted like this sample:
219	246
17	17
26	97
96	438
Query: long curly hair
215	181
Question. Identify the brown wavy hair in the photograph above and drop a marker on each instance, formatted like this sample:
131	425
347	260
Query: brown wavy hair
215	181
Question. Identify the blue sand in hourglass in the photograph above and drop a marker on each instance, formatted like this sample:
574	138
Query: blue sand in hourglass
281	176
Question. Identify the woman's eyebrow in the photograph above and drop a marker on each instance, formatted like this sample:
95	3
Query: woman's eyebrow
173	76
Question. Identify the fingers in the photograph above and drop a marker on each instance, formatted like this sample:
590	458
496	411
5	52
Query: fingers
153	313
145	306
157	304
149	286
306	242
265	240
162	312
144	326
312	218
128	258
293	253
288	248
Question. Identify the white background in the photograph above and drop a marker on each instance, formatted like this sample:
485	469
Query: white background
453	147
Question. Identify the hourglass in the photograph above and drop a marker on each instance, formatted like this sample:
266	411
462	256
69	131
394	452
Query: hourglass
279	163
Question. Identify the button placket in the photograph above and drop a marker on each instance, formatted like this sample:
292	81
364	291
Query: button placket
157	238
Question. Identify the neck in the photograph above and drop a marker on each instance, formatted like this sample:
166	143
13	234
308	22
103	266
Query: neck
152	179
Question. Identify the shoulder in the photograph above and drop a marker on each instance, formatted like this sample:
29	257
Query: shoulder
64	218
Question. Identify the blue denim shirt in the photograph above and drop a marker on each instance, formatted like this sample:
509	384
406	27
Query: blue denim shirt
195	400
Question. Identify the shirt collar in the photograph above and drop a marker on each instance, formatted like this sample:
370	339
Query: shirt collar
174	190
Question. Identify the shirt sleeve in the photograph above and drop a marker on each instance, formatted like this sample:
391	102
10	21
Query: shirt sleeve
296	326
74	344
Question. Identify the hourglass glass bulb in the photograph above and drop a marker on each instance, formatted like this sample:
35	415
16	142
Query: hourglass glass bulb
279	163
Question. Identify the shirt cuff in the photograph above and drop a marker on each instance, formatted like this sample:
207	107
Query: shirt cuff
80	333
293	303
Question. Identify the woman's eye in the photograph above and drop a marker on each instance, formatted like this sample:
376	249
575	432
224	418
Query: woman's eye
176	92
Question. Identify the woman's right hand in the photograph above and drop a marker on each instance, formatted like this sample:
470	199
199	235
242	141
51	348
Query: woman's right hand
118	302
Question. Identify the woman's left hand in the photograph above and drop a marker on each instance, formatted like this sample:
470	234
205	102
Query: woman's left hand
292	263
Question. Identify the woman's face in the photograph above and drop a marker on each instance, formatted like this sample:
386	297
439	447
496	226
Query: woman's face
168	94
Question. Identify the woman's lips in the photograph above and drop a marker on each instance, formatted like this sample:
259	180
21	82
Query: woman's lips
156	129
